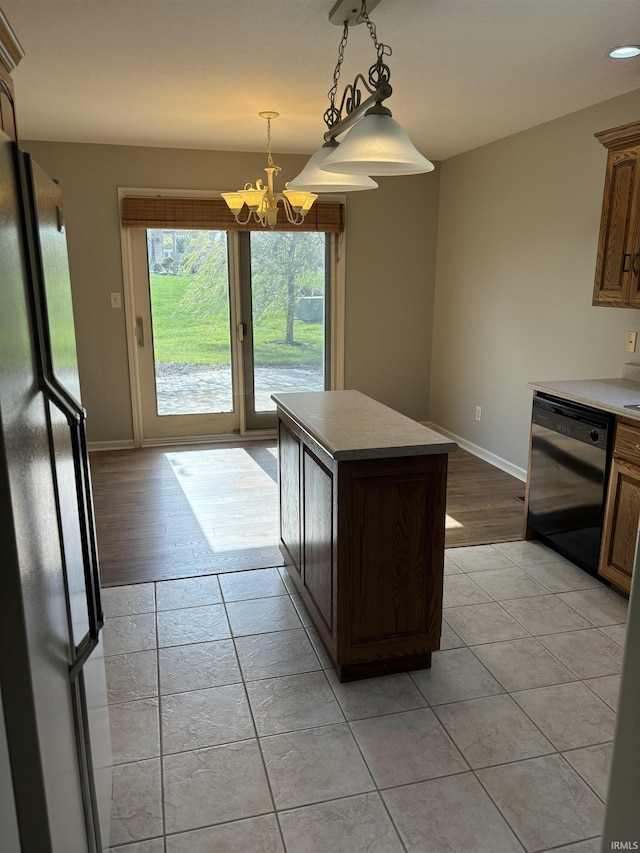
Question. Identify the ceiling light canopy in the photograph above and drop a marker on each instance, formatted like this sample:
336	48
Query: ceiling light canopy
261	202
625	51
375	143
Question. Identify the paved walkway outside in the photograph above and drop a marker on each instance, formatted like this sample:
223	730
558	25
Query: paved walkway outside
198	389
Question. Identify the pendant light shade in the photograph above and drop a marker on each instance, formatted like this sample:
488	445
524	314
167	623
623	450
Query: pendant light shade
314	180
376	145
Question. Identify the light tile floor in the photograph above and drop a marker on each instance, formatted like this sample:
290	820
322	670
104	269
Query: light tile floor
232	734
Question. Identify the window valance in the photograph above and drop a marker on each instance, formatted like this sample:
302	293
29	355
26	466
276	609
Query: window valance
213	214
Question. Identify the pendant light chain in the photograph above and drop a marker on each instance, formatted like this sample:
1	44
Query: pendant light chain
380	72
270	162
332	115
381	49
375	143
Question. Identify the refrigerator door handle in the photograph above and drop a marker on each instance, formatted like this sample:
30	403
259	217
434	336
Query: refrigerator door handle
74	413
76	419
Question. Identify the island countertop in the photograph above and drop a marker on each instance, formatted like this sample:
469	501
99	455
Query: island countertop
350	425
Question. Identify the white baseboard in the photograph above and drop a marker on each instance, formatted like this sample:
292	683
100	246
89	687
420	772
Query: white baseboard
181	440
97	446
223	438
481	453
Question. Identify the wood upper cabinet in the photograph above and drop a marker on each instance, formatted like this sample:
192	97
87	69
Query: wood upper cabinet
10	55
622	512
617	281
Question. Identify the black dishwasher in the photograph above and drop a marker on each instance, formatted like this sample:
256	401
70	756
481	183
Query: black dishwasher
570	452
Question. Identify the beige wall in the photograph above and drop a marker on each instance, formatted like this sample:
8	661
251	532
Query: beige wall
391	239
391	252
516	225
517	237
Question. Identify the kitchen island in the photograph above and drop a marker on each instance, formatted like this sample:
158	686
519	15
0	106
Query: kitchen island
362	493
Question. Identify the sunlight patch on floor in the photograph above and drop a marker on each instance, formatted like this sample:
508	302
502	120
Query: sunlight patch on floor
248	516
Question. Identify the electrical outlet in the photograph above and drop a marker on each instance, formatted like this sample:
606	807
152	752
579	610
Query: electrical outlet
116	300
630	345
478	413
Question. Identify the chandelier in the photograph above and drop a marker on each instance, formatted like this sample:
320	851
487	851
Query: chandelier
262	202
375	144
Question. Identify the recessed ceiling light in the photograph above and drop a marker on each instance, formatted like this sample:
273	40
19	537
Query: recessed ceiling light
625	51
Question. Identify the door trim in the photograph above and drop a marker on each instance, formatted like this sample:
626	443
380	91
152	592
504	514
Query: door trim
337	328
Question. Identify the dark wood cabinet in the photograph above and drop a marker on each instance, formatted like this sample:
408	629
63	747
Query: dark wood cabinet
10	55
367	554
318	534
622	512
289	488
617	280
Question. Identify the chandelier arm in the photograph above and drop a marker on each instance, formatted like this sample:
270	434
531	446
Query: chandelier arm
243	221
293	217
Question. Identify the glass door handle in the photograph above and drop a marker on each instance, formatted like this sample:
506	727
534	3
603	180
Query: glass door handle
140	331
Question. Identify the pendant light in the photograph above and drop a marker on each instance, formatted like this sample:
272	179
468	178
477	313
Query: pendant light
314	179
375	143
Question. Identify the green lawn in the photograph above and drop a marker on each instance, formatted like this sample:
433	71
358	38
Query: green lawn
182	337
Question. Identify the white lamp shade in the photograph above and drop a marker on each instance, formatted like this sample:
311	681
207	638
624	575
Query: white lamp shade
234	201
377	145
313	179
252	198
300	200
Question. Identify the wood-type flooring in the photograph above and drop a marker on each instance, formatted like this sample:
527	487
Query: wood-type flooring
164	513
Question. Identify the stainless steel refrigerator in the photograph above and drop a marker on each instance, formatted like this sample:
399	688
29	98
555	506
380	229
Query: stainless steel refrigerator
55	752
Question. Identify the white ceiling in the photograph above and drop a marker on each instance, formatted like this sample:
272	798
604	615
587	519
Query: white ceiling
195	73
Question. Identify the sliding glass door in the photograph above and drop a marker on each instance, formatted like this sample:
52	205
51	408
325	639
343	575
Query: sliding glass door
224	320
285	304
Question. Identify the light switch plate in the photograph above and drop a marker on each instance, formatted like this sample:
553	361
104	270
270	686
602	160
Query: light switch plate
631	342
116	300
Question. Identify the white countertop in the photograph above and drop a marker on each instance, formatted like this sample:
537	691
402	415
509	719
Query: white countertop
350	425
610	395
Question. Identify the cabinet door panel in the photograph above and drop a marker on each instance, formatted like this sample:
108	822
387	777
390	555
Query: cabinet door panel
617	280
7	115
390	548
627	444
289	486
621	524
633	243
618	199
318	535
